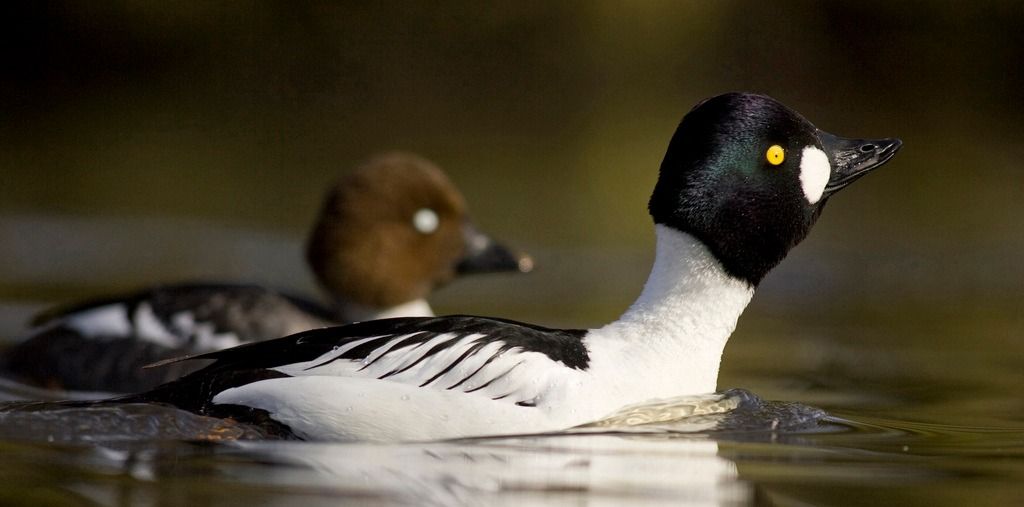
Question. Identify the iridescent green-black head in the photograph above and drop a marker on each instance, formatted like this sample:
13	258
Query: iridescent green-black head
748	177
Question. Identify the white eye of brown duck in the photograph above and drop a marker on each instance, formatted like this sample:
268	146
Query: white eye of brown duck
425	220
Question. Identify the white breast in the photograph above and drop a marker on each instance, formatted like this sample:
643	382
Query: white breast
669	343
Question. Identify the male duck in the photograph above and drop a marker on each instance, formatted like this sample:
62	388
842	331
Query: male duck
743	181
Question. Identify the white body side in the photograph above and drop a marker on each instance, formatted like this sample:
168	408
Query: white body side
669	343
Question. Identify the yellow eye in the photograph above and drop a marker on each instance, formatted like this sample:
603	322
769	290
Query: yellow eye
775	154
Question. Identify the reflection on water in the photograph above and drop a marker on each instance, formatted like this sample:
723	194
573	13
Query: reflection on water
549	470
662	452
552	470
727	449
856	460
909	422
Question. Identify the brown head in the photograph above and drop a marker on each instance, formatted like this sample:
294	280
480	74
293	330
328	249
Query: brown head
393	230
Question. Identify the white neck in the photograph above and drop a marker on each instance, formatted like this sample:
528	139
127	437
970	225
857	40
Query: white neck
355	312
678	327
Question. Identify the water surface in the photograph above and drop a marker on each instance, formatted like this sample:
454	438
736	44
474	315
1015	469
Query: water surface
862	420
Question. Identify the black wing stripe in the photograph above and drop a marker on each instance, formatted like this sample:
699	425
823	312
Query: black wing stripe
364	349
434	350
368	341
489	382
481	367
513	391
562	345
421	337
477	345
357	352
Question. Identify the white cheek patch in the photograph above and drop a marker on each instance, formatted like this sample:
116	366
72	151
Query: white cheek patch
814	173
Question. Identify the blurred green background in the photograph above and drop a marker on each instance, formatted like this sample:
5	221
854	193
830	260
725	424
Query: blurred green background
158	141
143	142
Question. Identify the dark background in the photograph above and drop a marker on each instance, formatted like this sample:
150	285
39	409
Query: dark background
143	142
152	141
